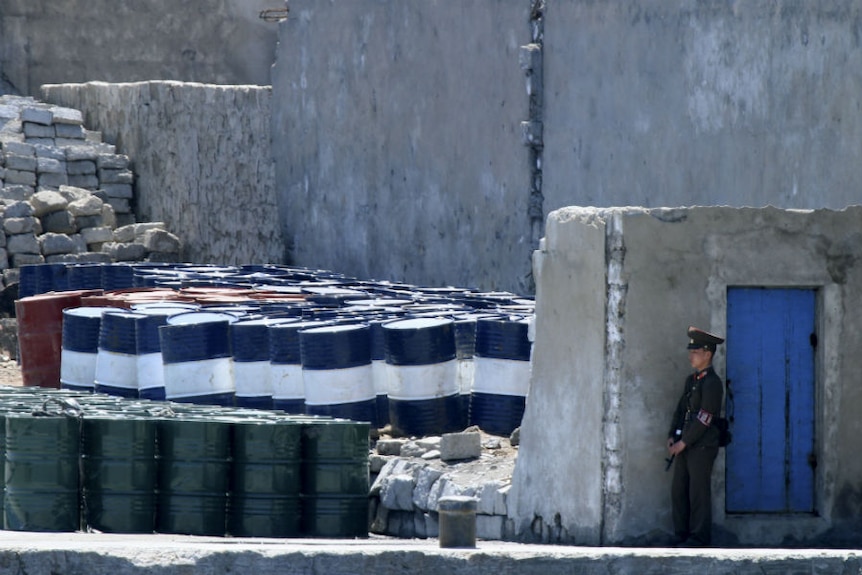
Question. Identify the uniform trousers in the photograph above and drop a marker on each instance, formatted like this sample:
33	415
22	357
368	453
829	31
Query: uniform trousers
691	494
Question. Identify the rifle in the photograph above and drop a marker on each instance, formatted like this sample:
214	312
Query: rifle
669	460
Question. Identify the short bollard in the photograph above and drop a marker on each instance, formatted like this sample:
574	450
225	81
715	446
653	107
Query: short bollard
457	521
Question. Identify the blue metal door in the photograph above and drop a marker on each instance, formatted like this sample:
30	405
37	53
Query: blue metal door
770	377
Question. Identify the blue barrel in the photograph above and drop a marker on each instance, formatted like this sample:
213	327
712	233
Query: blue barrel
379	373
501	377
251	367
116	361
197	359
336	372
85	276
81	326
288	390
148	348
424	398
119	275
35	279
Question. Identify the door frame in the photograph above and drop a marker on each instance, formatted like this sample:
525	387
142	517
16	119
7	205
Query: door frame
827	398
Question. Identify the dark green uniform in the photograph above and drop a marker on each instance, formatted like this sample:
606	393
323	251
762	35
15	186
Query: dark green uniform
691	495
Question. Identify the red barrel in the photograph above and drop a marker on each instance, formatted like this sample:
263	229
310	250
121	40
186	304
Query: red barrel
40	334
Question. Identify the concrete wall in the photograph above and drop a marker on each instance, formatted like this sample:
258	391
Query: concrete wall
594	430
397	132
212	41
682	102
202	159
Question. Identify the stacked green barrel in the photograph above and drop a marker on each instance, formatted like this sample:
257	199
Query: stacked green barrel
100	463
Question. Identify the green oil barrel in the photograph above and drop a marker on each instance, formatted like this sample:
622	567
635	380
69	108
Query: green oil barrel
193	462
118	473
41	473
265	479
335	478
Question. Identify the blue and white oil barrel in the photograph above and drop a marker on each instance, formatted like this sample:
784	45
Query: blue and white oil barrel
501	377
336	372
252	373
465	347
151	374
117	360
80	350
285	364
379	373
197	359
85	276
424	398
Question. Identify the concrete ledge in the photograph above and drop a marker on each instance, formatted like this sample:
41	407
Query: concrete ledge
97	554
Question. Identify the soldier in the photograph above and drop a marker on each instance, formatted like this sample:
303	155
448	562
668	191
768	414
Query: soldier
693	443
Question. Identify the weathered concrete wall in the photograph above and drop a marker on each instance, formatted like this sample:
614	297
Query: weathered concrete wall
212	41
678	103
397	132
202	159
607	418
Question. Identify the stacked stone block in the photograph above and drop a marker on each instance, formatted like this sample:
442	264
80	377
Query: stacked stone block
66	196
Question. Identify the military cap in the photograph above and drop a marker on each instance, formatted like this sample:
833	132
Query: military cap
699	339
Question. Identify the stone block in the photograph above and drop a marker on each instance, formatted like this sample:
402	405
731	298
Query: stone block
67	116
112	161
397	492
72	193
23	244
501	501
124	191
16	193
18	148
125	252
160	258
53	181
47	142
395	466
59	222
85	181
109	217
19	162
426	479
491	527
53	243
50	151
81	153
68	132
375	460
390	446
18	209
120	205
37	115
4	259
464	445
23	259
20	177
50	166
487	497
23	225
96	235
38	131
135	232
86	206
115	177
47	201
81	168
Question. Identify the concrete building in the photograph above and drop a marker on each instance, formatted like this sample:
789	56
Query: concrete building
617	289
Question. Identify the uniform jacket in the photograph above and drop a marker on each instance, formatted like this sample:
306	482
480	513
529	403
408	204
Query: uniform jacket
698	409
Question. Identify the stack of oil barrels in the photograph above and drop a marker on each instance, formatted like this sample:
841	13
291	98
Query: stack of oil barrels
306	342
88	461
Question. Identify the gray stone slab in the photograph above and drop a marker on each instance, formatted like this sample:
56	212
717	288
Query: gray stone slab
32	130
37	115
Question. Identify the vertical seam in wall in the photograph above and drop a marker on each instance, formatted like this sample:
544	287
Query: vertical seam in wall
614	344
532	127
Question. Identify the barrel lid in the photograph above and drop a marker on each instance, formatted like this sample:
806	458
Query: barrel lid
88	311
197	317
335	328
417	323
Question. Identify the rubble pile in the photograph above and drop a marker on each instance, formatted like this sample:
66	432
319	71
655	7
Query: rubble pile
409	476
66	196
